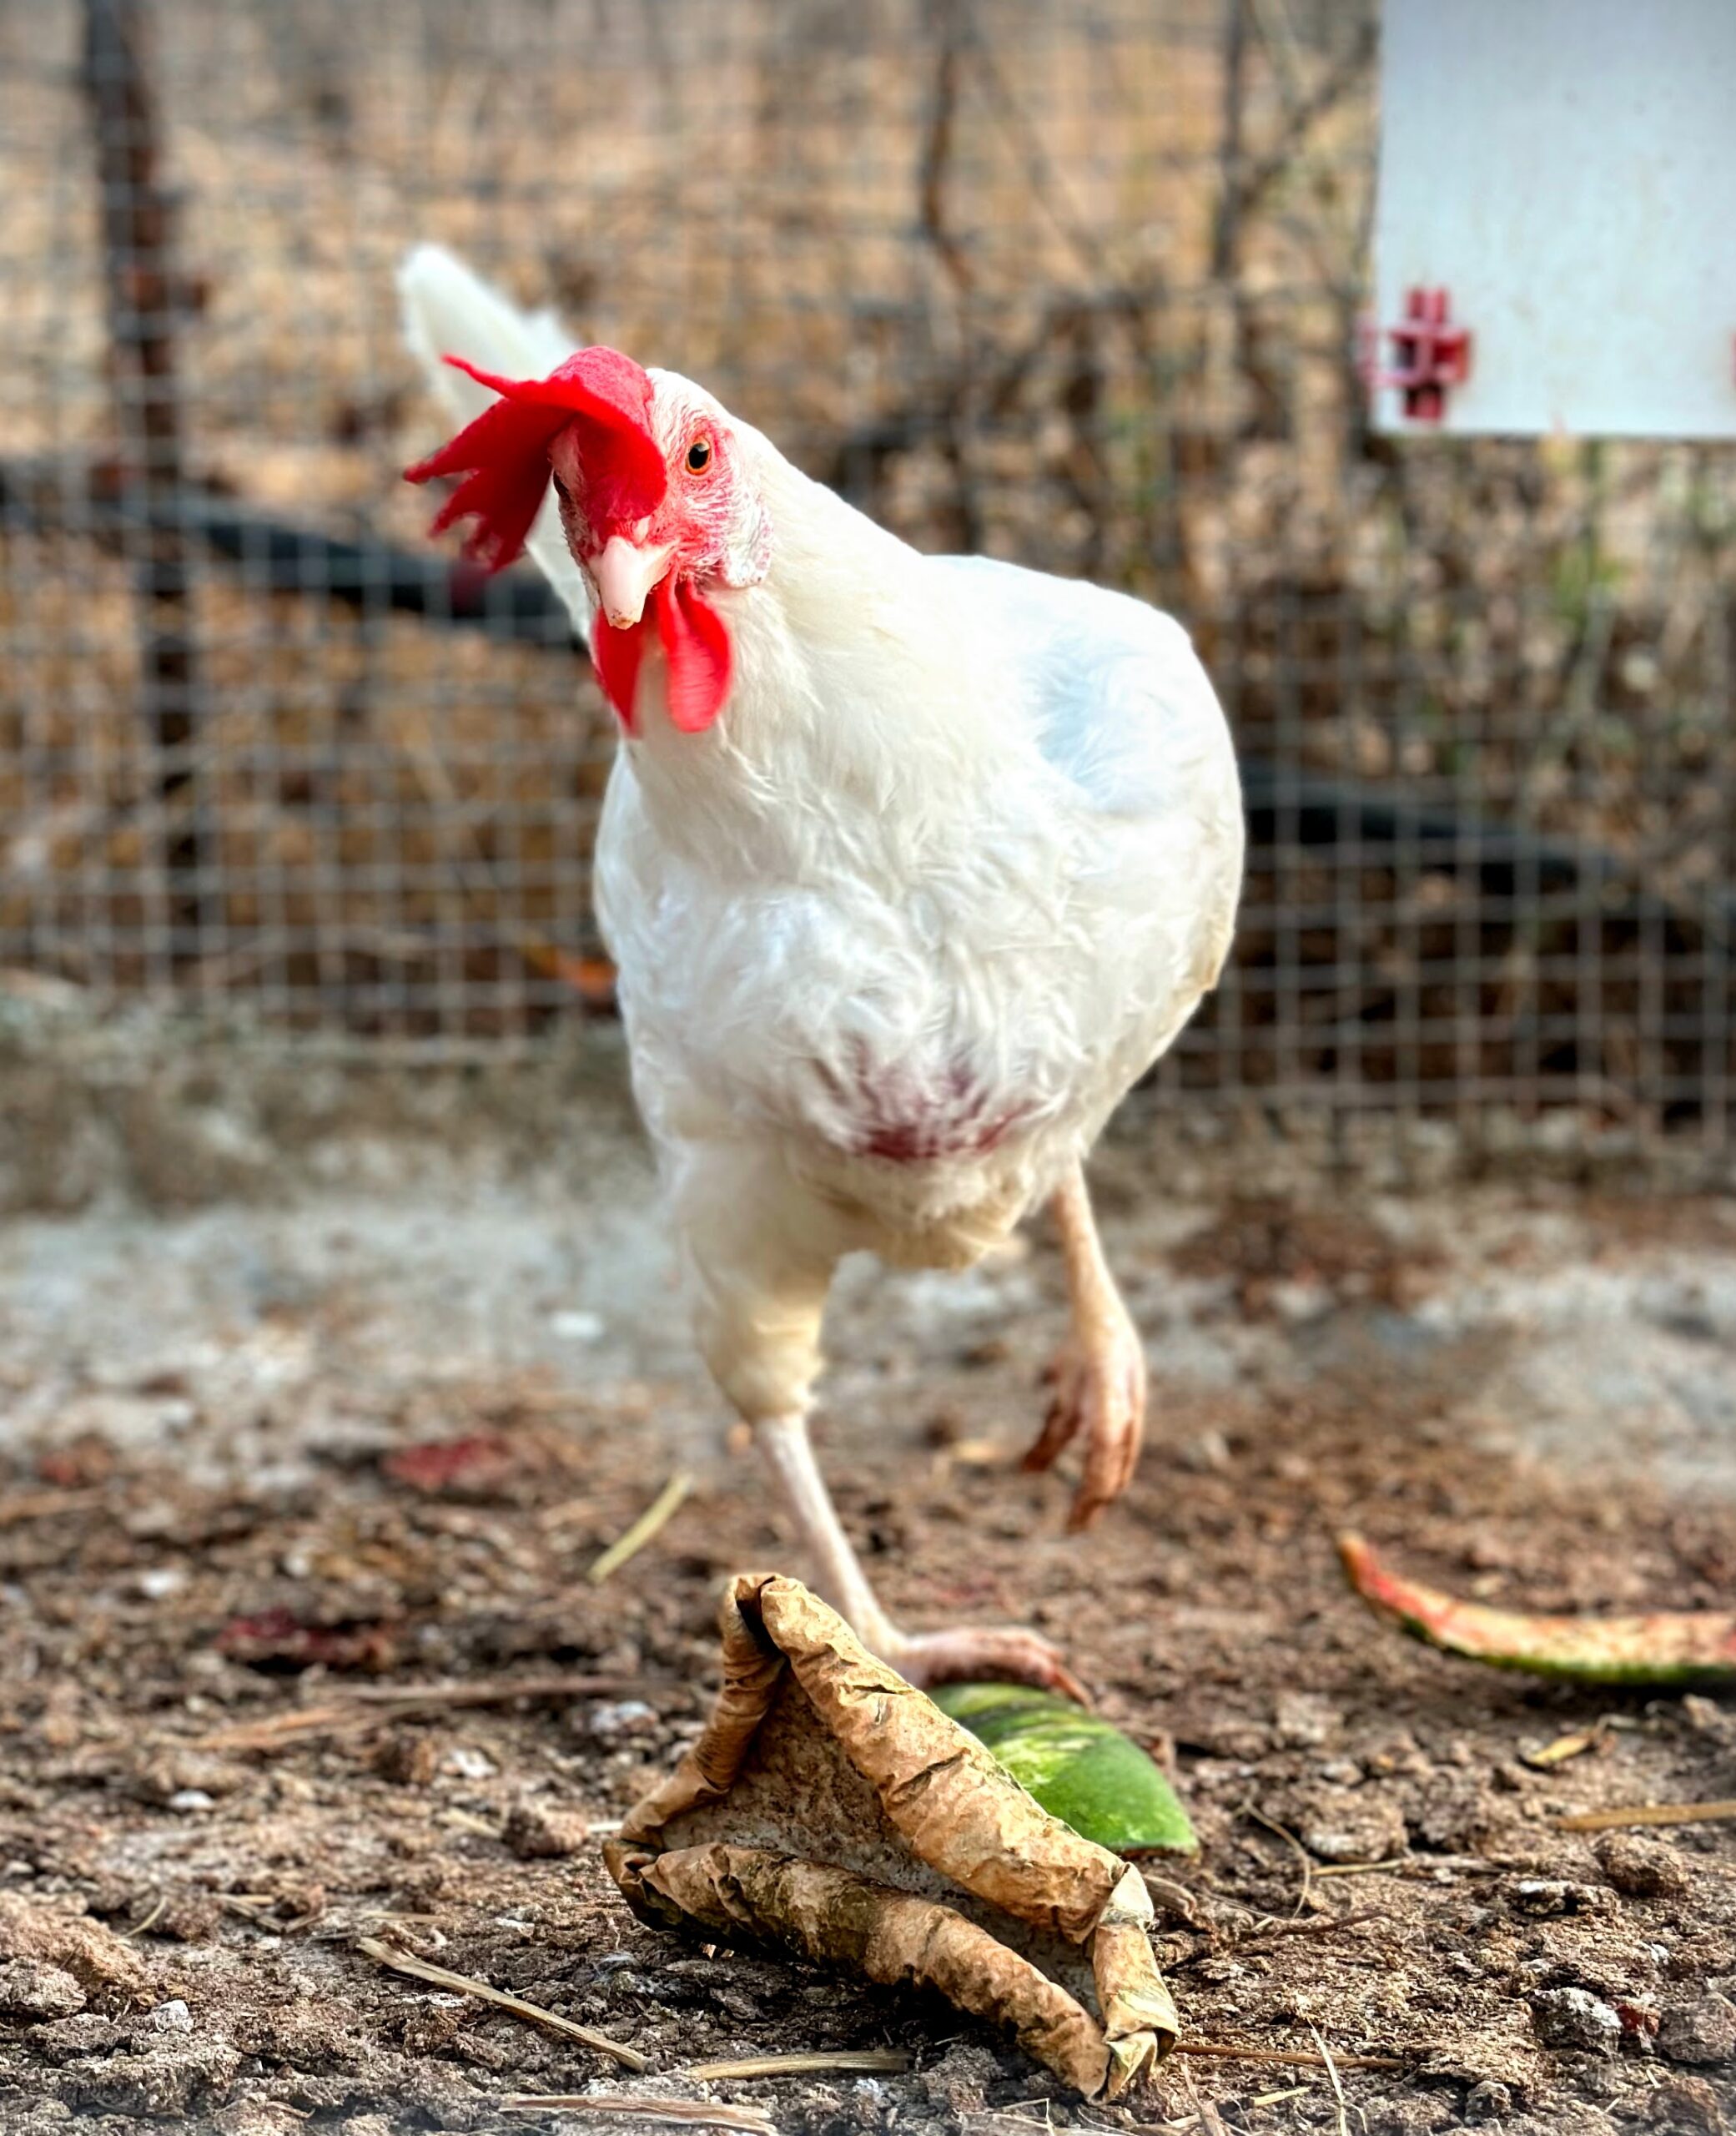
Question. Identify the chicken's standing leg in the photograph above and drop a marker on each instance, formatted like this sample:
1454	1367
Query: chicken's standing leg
1100	1376
762	1260
976	1653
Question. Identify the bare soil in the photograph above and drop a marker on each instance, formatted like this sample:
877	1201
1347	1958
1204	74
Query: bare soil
259	1455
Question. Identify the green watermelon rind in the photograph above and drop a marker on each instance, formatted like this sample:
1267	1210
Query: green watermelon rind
1660	1650
1075	1765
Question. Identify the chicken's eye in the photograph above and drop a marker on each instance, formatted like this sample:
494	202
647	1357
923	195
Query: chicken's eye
699	455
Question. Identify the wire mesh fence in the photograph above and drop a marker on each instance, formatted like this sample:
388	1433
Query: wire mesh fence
1076	286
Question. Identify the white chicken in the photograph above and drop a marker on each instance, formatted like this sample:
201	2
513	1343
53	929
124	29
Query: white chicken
910	866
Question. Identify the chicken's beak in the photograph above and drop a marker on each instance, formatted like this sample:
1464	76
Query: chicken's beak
624	574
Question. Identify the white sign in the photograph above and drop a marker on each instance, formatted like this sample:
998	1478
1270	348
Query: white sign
1557	179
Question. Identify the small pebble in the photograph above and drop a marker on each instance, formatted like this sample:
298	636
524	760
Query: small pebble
577	1327
171	2017
1296	1303
1547	1894
1207	1453
246	2117
1640	1868
189	1800
1686	2106
186	1916
958	2083
1572	2018
33	1991
162	1777
1303	1721
539	1831
466	1764
622	1717
408	1757
1365	1826
1702	2032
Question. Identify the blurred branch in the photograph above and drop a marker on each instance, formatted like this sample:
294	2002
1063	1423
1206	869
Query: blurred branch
952	425
1246	183
1044	179
938	148
143	297
1226	236
1001	376
1249	183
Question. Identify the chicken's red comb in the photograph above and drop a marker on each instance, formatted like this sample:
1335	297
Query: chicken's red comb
503	455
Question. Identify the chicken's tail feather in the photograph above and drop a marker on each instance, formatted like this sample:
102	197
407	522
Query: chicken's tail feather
449	311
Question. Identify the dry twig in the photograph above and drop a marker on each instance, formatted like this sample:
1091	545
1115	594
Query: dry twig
1327	1925
655	1517
1213	2050
374	1706
493	1690
1175	1899
1206	2113
1563	1747
637	2107
875	2061
139	1928
1649	1813
1458	1865
44	1505
1338	2098
387	1954
1296	1847
280	1730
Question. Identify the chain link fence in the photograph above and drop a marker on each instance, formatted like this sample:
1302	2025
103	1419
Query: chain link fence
1079	286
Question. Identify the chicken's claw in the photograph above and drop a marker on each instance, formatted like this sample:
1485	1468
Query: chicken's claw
1098	1381
972	1654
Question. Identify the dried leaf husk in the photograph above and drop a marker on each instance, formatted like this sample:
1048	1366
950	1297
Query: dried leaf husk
1678	1650
1080	1768
831	1809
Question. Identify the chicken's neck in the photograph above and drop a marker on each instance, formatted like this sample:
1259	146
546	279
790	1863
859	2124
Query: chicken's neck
867	718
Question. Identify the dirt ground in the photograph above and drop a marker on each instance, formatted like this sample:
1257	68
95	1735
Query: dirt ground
367	1432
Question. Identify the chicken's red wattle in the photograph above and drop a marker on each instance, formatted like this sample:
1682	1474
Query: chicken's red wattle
696	647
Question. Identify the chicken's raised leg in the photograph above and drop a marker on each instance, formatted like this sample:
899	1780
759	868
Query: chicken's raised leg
1099	1377
975	1653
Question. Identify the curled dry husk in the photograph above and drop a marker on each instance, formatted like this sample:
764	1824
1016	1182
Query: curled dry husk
834	1810
1674	1649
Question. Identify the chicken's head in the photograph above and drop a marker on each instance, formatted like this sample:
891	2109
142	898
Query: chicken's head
658	505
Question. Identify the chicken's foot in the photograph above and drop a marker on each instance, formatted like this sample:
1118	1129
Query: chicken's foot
979	1654
1099	1377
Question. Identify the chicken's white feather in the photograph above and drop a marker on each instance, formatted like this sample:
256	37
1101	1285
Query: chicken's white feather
448	310
897	933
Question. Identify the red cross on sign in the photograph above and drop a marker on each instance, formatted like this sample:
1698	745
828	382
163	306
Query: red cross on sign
1428	355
